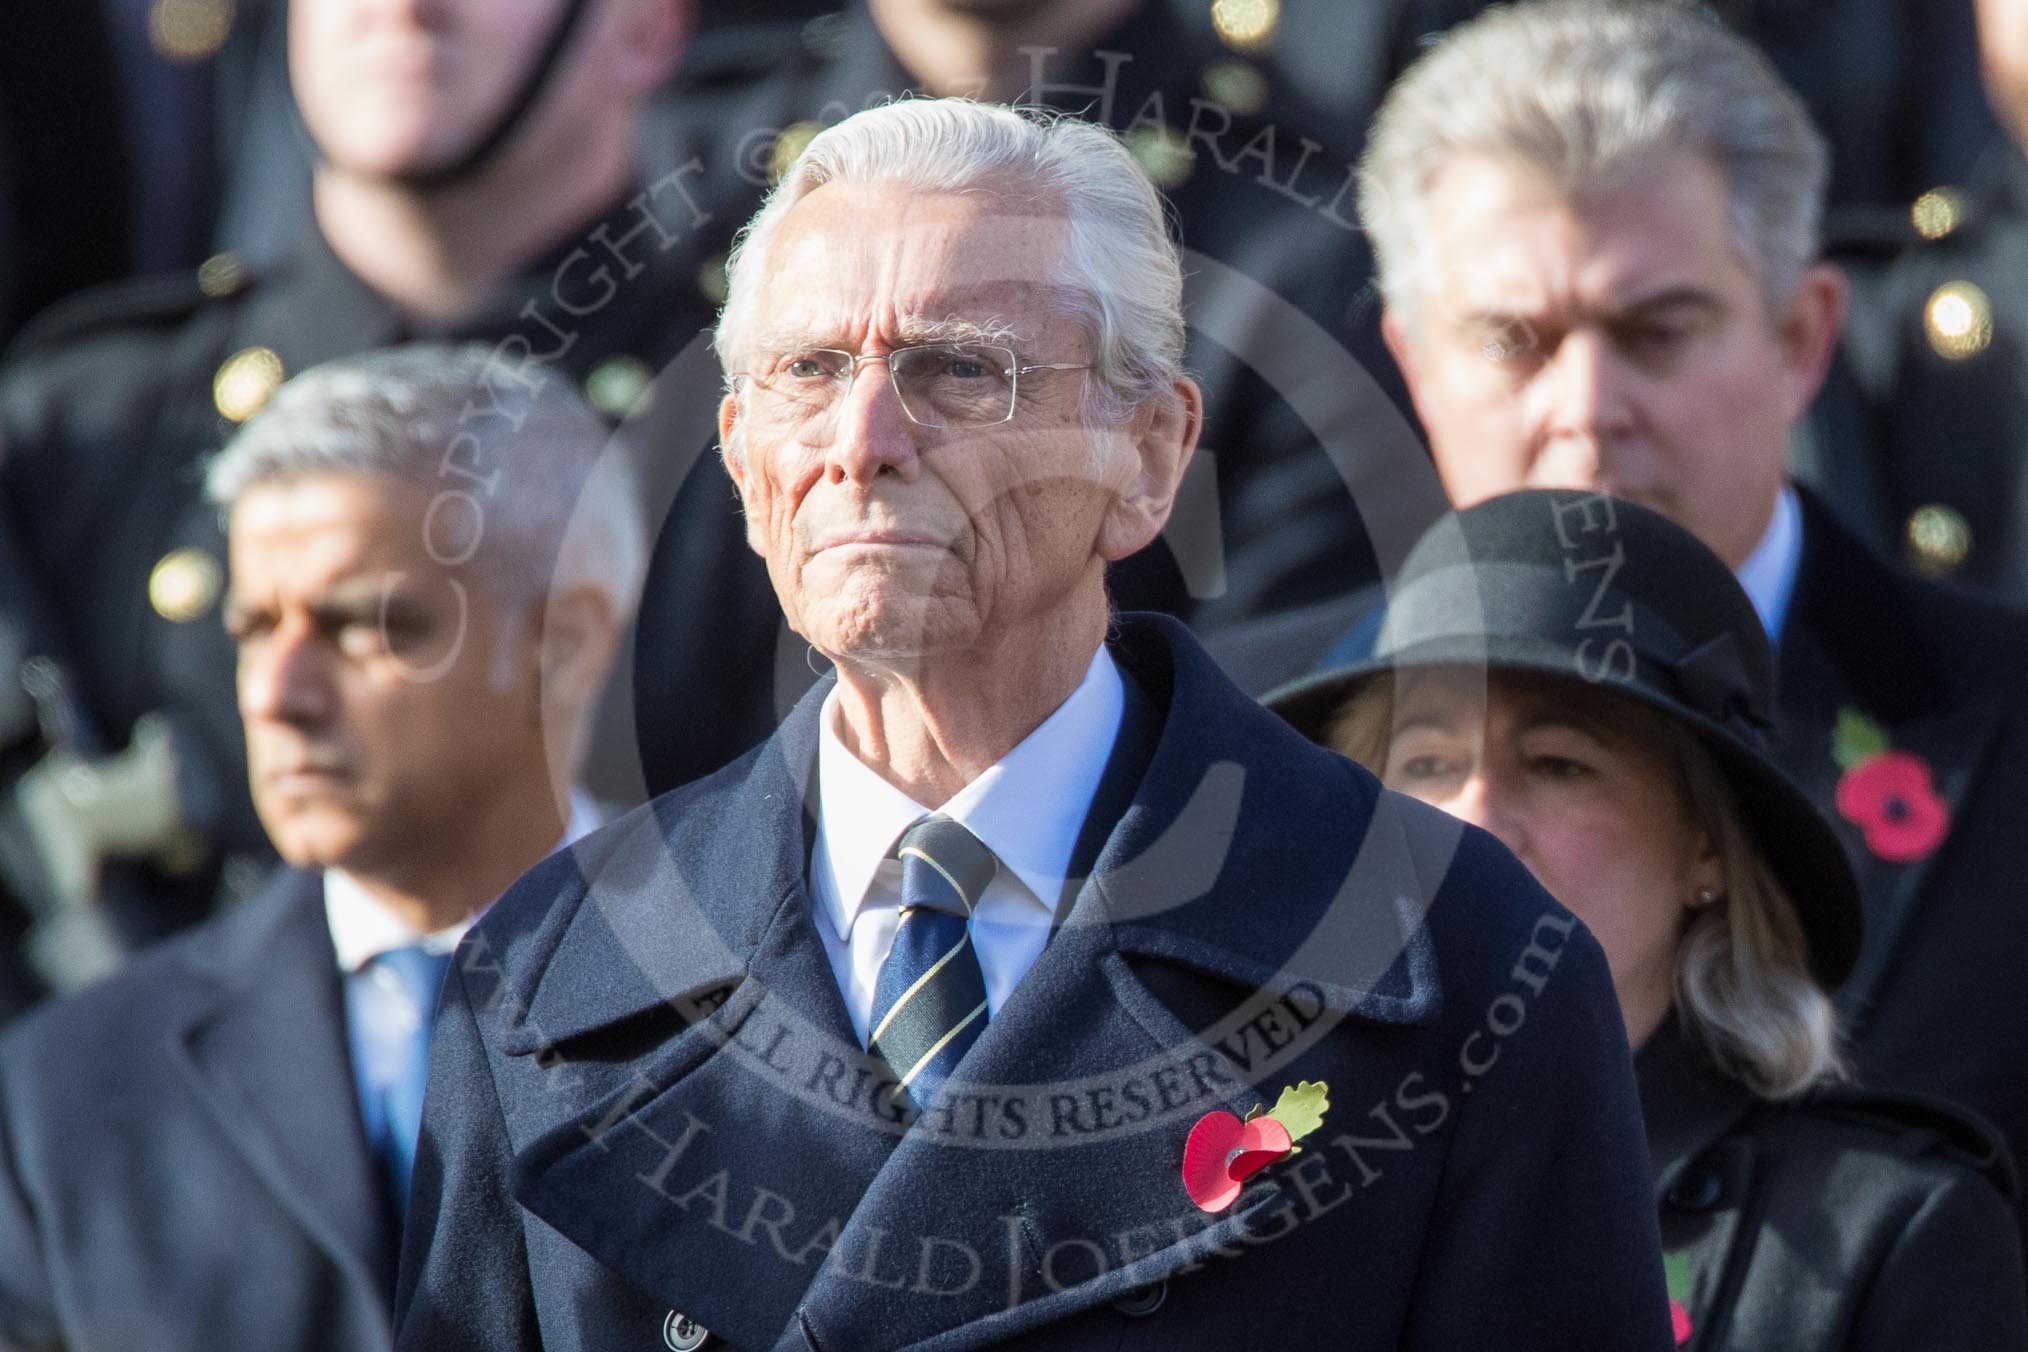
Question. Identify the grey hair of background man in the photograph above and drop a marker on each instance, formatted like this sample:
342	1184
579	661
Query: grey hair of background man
553	511
1584	91
1122	273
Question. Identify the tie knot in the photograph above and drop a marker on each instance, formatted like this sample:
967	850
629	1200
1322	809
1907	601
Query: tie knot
956	861
420	972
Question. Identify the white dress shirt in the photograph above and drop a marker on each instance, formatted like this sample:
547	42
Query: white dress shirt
1028	809
1769	573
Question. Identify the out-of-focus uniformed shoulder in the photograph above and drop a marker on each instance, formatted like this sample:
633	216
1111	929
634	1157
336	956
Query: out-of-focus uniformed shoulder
1856	234
1917	1125
728	58
159	302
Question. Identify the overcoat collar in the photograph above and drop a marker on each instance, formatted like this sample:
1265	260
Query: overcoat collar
700	907
1687	1106
263	1048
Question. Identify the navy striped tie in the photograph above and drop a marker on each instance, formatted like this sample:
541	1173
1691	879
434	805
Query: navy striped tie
929	1005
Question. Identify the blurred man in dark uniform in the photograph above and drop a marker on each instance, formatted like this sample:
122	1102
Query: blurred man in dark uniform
1304	460
1926	448
477	178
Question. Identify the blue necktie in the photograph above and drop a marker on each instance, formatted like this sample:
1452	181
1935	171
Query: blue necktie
391	1002
929	1005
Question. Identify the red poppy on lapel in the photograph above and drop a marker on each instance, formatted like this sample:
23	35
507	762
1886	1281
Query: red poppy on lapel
1889	795
1223	1151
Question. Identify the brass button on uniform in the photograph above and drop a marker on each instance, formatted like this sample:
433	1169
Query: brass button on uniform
184	584
189	30
220	275
244	382
1237	86
711	279
1246	25
1937	212
1163	154
616	385
789	145
1958	321
1937	539
681	1333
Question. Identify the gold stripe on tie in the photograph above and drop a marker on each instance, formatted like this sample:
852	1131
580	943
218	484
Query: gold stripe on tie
912	850
901	1001
931	1054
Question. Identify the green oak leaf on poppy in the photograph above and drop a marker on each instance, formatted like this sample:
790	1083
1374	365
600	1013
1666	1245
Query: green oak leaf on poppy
1857	739
1676	1270
1301	1107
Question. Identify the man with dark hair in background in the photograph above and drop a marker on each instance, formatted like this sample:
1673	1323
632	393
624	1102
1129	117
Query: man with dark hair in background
212	1148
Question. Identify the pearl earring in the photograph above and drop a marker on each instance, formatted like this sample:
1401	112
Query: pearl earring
1705	896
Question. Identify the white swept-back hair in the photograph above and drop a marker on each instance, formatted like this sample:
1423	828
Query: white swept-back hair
1583	91
1121	275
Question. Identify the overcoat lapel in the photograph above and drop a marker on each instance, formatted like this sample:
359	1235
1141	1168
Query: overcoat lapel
759	1138
1692	1113
1017	1225
1851	645
744	1141
266	1057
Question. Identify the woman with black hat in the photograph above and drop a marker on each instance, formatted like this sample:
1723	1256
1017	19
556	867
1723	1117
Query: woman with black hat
1583	678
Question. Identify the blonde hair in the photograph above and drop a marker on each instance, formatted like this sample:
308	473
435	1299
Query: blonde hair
1745	996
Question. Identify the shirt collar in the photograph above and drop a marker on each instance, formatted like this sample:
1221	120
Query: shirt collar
1027	808
362	929
1769	573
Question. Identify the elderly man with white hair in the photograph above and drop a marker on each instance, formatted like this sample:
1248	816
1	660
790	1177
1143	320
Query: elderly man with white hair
941	1019
428	578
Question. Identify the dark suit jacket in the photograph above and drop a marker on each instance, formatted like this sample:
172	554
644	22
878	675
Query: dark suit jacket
1936	1001
182	1164
1851	1220
646	1096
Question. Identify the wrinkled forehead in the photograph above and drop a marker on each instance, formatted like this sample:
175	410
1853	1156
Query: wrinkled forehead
854	260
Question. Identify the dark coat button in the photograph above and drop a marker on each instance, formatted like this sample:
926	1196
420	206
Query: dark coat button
1143	1301
681	1333
1697	1190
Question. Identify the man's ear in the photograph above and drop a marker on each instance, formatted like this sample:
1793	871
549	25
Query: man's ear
1163	436
735	466
1394	332
580	631
1809	327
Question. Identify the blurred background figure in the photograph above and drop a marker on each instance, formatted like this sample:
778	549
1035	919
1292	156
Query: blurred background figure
1924	447
1630	776
479	176
1306	442
227	1163
1607	280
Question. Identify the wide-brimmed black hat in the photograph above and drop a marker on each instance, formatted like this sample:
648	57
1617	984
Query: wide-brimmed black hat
1609	594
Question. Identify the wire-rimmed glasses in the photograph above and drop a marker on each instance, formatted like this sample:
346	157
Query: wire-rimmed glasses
938	384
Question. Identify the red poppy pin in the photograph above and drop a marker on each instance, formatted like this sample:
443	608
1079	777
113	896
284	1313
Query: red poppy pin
1889	795
1224	1151
1676	1268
